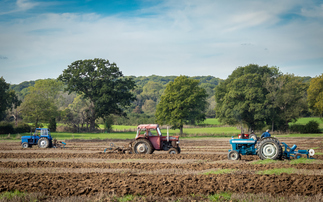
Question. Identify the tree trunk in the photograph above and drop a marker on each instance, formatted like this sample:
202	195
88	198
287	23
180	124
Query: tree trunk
92	117
181	130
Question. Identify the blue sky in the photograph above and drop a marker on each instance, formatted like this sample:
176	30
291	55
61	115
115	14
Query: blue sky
39	39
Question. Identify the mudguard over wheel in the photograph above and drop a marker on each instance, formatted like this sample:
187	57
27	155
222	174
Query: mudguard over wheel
234	155
24	145
142	146
173	151
270	149
43	142
253	136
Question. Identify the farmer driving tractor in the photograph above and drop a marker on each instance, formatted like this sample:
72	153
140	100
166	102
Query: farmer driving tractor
265	134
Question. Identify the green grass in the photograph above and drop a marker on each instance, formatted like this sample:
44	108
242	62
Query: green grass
224	196
198	132
305	120
277	171
222	171
302	160
212	121
10	195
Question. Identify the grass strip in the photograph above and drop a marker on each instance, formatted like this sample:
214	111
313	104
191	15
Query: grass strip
302	160
10	195
277	171
266	161
224	196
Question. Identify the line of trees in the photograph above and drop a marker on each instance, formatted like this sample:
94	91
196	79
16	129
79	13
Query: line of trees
95	91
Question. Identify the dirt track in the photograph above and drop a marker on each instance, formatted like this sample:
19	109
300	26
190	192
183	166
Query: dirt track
82	169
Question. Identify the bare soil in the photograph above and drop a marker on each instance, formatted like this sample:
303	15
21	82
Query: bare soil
83	169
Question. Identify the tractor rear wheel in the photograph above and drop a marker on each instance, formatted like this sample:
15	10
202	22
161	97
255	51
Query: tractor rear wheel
234	155
270	149
179	150
43	142
142	146
173	151
24	145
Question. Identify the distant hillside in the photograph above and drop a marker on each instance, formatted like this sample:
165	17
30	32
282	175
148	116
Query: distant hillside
141	81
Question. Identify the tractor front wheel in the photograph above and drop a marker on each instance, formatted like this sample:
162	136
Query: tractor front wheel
43	142
234	155
173	151
24	145
142	146
270	149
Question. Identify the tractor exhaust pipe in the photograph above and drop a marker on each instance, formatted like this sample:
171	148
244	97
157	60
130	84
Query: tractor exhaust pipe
167	135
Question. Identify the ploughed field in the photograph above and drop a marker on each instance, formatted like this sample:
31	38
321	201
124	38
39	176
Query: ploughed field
83	169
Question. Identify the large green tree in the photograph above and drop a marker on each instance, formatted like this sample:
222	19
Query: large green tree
8	98
241	97
102	83
40	104
286	100
315	95
183	102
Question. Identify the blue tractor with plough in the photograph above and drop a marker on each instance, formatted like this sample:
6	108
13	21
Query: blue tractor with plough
265	148
42	138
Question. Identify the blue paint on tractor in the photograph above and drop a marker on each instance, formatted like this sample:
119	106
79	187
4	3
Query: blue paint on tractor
244	146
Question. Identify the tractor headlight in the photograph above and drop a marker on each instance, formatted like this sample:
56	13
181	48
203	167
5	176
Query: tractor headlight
177	142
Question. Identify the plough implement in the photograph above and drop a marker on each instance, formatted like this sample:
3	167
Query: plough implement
290	152
119	150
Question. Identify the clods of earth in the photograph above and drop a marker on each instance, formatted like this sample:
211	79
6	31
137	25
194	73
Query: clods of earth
82	169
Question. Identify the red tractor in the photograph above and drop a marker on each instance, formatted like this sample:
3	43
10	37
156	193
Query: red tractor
149	138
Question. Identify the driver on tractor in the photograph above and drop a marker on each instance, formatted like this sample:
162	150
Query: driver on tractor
265	134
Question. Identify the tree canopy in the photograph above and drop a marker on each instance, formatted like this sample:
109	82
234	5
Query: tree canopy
8	98
183	102
40	102
258	95
102	83
315	95
241	98
286	100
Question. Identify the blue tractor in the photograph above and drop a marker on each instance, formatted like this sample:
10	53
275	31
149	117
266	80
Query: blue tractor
41	137
265	148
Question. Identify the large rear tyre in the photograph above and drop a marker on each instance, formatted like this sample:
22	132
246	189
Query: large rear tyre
43	142
24	145
142	146
234	155
179	150
270	149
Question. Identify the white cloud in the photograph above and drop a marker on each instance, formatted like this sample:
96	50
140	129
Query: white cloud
25	5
